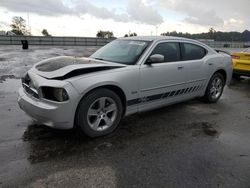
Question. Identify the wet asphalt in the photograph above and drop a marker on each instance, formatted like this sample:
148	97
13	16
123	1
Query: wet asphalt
191	144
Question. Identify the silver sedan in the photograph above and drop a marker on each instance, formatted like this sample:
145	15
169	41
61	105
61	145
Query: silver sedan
126	76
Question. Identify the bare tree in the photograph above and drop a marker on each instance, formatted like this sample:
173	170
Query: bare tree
19	26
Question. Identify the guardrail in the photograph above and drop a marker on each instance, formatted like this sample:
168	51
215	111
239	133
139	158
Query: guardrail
54	41
226	44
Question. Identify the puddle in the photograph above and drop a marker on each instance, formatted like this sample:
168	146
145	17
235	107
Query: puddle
203	128
47	143
103	146
240	84
209	129
50	144
237	142
4	77
84	177
8	85
202	109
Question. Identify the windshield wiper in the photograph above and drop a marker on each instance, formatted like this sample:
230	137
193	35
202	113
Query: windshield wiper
99	58
107	60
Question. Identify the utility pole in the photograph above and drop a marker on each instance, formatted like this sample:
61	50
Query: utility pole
156	29
28	21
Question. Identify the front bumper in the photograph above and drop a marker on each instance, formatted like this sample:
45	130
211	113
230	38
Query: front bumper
52	114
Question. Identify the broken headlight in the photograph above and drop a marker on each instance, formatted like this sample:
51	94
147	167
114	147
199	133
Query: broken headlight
54	94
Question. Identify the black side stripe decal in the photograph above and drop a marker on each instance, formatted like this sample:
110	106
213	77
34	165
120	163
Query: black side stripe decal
182	91
165	95
133	102
172	94
154	97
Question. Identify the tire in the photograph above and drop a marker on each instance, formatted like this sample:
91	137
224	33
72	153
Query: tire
99	113
215	88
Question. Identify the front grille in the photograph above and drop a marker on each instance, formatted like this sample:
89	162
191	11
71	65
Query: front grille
27	85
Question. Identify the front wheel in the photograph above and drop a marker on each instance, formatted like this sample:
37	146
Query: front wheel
215	88
99	113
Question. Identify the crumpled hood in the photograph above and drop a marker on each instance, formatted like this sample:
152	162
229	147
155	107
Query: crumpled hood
64	67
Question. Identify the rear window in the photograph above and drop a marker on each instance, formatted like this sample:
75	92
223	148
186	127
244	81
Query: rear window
192	52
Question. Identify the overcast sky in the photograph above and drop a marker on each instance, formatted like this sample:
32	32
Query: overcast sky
145	17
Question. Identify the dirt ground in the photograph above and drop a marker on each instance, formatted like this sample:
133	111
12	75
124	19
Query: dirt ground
191	144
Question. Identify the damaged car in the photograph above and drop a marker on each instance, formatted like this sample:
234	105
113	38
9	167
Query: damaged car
126	76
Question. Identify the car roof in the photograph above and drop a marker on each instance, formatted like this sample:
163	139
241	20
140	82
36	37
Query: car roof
155	38
160	38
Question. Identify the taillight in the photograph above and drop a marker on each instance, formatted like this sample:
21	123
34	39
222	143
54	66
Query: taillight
235	57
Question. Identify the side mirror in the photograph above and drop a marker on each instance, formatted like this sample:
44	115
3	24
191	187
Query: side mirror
156	58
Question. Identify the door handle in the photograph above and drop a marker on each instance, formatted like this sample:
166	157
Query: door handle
180	67
210	64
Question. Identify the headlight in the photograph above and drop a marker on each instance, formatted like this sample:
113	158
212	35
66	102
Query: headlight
54	94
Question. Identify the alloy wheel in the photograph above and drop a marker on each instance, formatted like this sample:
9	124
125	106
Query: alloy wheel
102	113
216	88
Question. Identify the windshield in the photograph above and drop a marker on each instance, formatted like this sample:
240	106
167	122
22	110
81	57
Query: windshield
121	51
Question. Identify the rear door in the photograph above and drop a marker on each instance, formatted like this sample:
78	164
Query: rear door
197	69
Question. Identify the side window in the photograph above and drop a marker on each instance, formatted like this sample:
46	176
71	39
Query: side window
170	51
192	52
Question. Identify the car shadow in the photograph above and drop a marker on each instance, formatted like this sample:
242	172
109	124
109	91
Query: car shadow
51	144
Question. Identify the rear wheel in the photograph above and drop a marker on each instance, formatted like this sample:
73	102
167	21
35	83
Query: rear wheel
99	113
215	88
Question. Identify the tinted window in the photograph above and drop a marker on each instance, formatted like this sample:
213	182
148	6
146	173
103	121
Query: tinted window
192	51
170	51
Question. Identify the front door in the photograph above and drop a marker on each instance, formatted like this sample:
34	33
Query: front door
165	82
